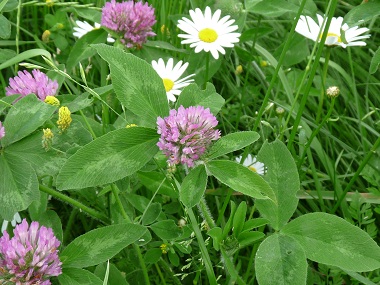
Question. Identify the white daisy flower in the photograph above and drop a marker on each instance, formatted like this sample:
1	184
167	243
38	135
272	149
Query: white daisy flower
16	220
84	27
207	32
252	163
338	34
170	76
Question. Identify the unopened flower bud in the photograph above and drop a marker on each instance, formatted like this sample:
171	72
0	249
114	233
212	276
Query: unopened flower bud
47	138
64	118
51	100
239	70
45	36
333	92
280	111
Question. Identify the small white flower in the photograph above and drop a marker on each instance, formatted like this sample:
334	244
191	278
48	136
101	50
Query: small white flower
84	27
207	32
16	220
338	34
252	163
170	76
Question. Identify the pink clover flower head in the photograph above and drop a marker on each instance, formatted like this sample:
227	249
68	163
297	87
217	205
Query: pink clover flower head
36	82
2	130
30	256
133	21
186	134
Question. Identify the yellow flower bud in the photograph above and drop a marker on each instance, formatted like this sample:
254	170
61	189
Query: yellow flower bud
45	36
64	118
47	138
239	70
51	100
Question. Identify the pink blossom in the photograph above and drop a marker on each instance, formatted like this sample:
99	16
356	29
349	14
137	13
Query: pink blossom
133	21
186	134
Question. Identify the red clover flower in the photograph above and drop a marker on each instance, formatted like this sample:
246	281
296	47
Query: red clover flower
30	257
186	134
133	21
37	83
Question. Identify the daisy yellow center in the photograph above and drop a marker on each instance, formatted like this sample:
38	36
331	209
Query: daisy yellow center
168	83
333	35
252	168
208	35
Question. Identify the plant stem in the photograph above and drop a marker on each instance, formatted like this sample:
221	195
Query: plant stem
75	203
231	268
315	132
207	69
88	125
135	246
202	246
203	208
323	84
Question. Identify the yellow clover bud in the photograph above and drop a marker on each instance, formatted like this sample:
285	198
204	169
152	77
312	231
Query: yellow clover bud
64	118
47	138
51	100
45	36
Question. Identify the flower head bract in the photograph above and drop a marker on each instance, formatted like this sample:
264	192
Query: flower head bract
30	256
252	163
170	75
2	130
206	31
186	134
36	82
132	20
339	34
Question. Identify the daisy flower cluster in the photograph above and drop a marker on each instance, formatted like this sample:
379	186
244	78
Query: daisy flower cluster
170	76
339	34
36	82
186	134
30	256
208	32
133	21
252	163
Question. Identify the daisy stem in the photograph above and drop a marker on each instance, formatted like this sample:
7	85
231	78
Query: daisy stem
323	84
202	246
315	132
207	68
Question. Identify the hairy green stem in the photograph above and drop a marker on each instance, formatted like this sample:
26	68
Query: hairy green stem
205	211
202	246
231	268
75	203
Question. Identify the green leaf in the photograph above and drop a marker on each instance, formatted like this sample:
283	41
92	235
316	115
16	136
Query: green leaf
240	179
255	223
50	219
192	95
18	185
137	85
152	256
283	178
239	218
153	180
216	235
10	5
362	13
28	114
111	157
115	276
270	8
76	276
151	213
248	238
375	62
6	54
25	55
333	241
82	49
232	142
5	27
193	186
99	245
280	260
166	230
